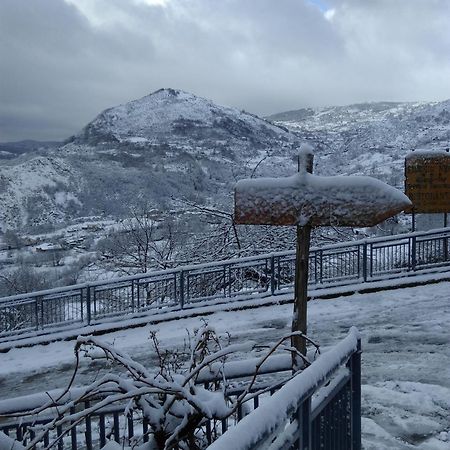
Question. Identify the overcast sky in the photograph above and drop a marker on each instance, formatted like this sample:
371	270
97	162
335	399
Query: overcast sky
64	61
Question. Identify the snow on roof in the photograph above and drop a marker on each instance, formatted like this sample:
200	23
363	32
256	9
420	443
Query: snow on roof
310	199
48	246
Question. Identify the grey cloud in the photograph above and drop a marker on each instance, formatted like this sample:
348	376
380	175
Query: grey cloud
61	65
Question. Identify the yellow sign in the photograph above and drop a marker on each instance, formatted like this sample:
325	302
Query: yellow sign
427	181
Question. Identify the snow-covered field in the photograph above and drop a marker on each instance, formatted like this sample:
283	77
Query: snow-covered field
406	357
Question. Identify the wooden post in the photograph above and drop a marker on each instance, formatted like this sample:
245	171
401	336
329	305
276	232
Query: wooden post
299	319
301	288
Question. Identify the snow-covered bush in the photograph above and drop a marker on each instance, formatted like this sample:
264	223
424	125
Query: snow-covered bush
174	400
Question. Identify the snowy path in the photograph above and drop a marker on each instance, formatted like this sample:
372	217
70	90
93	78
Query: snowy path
406	357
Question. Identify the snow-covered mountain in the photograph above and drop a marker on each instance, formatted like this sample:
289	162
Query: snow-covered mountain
37	190
167	145
370	138
170	115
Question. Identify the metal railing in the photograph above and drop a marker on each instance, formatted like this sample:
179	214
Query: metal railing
346	263
320	408
329	411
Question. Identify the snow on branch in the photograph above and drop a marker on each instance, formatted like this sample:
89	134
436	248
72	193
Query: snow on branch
175	400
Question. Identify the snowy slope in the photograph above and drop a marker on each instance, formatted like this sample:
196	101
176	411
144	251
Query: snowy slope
371	138
40	187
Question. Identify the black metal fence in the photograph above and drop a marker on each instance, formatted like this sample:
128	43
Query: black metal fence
327	416
111	423
346	263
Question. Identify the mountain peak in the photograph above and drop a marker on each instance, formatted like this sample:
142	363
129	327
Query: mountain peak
172	112
168	95
170	92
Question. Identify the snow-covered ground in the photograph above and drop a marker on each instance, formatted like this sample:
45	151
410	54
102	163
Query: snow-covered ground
406	357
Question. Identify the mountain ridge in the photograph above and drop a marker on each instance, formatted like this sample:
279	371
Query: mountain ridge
171	144
168	110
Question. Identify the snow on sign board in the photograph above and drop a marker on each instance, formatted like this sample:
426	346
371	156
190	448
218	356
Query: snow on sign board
427	181
307	199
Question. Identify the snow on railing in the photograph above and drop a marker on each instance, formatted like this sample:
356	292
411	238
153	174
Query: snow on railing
272	417
230	370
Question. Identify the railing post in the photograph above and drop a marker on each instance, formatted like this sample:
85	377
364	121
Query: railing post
316	276
88	432
364	261
138	296
88	304
132	296
446	247
36	311
304	422
181	289
321	267
73	432
41	301
272	275
371	260
354	365
413	245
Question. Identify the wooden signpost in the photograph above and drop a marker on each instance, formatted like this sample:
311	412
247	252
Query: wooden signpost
305	201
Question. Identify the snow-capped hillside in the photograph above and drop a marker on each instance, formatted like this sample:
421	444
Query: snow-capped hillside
371	138
38	190
167	145
170	114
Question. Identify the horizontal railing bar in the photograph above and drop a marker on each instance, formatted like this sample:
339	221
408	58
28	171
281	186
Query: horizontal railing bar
232	370
32	295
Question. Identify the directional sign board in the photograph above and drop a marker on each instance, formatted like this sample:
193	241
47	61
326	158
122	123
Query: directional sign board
306	199
427	181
